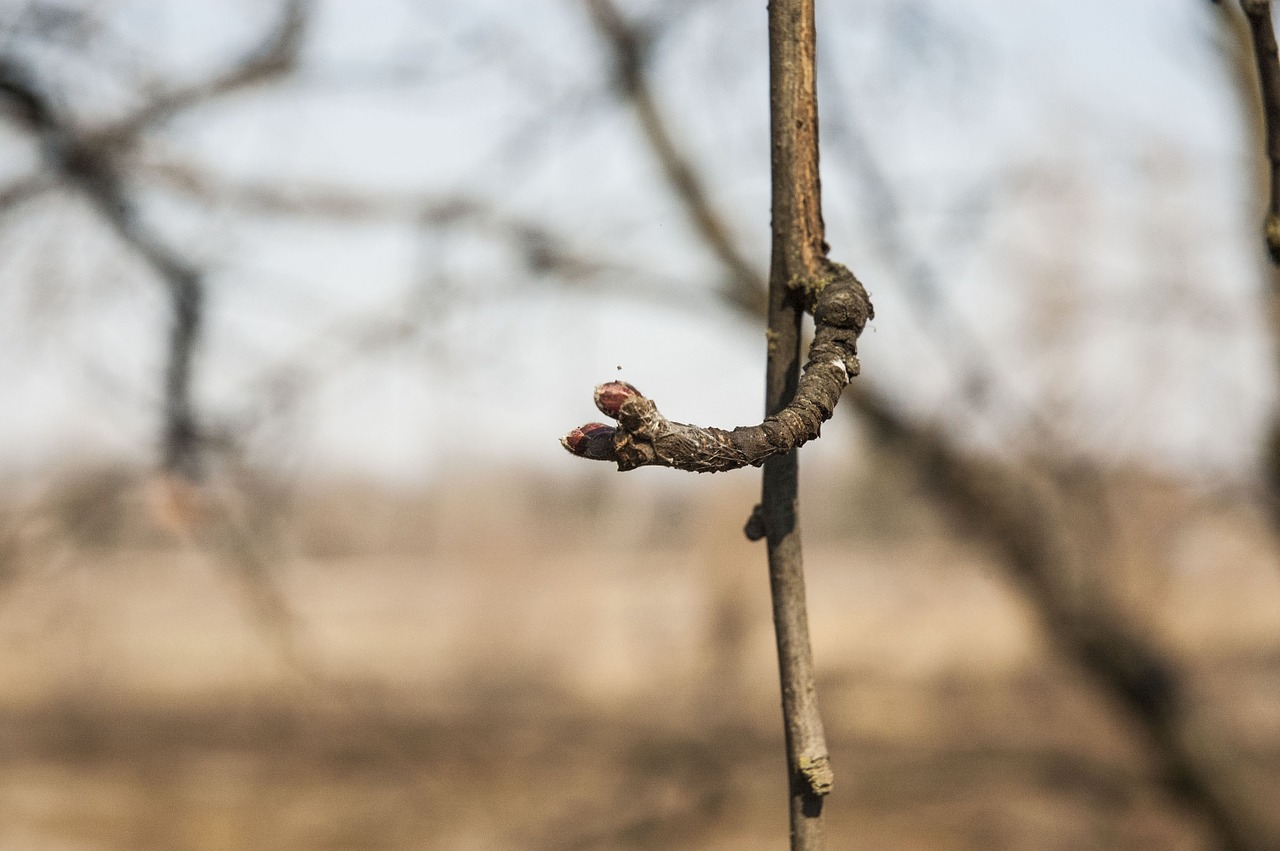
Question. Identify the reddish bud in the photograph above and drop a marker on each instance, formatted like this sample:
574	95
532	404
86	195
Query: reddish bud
610	396
593	440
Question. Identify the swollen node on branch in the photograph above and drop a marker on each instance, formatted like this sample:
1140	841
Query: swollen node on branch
644	437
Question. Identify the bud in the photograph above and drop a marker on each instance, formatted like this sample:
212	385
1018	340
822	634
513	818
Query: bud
610	396
593	440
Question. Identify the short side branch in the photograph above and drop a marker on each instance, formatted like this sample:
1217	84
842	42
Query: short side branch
1265	52
644	437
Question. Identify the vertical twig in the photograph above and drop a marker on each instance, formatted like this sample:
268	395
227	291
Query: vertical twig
1265	52
1021	520
797	400
799	253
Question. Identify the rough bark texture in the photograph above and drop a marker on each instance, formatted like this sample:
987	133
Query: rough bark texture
644	437
799	254
797	401
802	277
1258	13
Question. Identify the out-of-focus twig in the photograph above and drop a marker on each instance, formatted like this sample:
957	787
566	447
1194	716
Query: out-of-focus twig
91	170
1262	30
275	57
997	503
22	190
1237	46
543	249
90	162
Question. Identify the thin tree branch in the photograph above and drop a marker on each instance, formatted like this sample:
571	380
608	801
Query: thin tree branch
644	437
1258	13
543	249
90	163
628	47
22	191
840	306
1237	46
796	402
87	167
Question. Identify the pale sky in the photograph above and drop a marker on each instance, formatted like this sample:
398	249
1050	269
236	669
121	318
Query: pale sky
1094	148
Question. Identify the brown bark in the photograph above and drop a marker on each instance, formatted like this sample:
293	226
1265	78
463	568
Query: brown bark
644	437
796	402
799	253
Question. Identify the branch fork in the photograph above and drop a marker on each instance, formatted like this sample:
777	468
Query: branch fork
644	437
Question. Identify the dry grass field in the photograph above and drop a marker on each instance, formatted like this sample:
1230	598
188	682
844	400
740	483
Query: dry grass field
524	662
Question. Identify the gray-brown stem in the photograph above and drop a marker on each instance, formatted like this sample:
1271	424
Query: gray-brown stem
799	252
644	437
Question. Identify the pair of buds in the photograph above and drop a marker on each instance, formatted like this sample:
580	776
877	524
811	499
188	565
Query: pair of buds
595	440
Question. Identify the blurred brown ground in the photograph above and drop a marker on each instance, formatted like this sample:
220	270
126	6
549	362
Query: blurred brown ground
519	661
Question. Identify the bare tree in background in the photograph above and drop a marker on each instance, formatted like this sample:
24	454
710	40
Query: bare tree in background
95	162
1247	42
